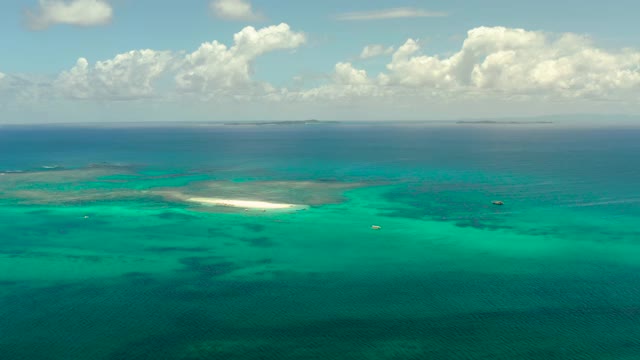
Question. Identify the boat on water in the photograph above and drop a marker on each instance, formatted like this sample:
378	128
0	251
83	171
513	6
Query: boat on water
497	202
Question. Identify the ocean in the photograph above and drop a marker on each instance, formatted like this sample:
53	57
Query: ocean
105	254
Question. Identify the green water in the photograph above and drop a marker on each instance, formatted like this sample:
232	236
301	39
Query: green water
97	263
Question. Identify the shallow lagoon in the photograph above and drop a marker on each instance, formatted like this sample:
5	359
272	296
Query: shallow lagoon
99	261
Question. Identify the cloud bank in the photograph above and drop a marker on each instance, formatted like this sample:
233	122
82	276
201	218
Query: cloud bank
212	70
503	61
73	12
493	65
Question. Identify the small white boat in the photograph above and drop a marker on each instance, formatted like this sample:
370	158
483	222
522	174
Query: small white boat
376	227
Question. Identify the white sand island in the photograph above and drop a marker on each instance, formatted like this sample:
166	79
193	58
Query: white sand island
247	204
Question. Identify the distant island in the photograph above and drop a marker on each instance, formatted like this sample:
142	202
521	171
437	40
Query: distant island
289	122
494	122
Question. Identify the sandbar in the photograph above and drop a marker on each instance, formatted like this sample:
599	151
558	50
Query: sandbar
247	204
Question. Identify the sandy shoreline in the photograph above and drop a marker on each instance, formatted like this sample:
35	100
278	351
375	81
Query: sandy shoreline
247	204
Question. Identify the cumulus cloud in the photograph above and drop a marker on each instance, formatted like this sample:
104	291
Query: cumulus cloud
346	74
493	65
70	12
394	13
213	69
347	83
216	67
498	62
371	51
126	76
234	10
519	61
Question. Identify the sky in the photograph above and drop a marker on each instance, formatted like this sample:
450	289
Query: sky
221	60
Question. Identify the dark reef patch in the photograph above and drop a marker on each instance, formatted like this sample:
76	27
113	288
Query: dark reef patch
262	241
169	249
136	274
172	215
38	212
43	254
254	227
481	224
210	266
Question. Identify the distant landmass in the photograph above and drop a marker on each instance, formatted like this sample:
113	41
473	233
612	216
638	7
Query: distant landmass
288	122
497	122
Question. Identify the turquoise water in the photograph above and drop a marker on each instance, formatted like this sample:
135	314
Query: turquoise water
100	260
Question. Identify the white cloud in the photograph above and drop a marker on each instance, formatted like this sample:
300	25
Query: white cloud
234	10
126	76
498	63
212	70
371	51
346	74
70	12
215	67
394	13
2	76
347	84
498	59
495	70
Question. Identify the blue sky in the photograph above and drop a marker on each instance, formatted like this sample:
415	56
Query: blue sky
307	70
